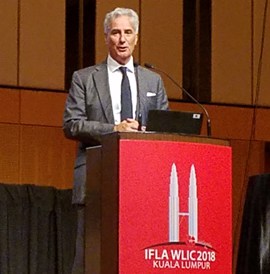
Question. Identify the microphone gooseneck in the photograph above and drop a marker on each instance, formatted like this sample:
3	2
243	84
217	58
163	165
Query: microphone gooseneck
150	66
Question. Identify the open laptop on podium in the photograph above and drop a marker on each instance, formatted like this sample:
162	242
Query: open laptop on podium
185	122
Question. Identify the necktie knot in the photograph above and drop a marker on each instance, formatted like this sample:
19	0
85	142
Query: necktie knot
123	70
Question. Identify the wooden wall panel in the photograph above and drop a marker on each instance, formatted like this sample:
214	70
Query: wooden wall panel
161	40
262	124
46	157
227	122
231	52
9	106
42	44
264	79
231	122
9	153
42	108
102	7
8	42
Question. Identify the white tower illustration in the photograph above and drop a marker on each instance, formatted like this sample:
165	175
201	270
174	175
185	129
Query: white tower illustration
193	206
174	206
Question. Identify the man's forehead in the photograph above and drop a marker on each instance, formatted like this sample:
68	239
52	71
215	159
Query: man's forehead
122	22
122	28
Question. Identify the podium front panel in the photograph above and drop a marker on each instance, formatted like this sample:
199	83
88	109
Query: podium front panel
175	211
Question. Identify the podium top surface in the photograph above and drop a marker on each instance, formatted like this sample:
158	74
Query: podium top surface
165	137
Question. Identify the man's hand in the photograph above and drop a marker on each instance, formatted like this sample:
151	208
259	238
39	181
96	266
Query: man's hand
127	125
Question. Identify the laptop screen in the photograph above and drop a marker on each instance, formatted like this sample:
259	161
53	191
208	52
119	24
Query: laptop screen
185	122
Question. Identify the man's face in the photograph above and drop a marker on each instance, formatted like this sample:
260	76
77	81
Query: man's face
121	39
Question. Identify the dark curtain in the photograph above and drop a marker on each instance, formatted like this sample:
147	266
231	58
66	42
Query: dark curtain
37	230
254	245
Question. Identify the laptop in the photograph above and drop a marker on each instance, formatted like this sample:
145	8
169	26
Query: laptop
185	122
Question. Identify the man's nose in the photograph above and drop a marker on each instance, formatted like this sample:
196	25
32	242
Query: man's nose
122	37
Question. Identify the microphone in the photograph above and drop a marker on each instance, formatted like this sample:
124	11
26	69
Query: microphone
150	66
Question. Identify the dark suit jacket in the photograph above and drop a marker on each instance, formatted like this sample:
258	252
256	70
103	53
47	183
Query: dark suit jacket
88	113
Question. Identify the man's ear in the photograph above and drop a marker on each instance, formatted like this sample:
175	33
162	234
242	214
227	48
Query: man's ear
137	38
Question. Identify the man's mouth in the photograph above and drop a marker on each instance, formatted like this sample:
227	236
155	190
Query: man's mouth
122	48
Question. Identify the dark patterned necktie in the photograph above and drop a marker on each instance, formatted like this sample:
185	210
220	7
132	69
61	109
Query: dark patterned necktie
126	102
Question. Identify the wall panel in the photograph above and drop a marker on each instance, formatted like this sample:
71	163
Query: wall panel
42	44
9	105
231	52
46	157
9	153
42	108
227	121
264	49
262	124
161	39
102	7
8	42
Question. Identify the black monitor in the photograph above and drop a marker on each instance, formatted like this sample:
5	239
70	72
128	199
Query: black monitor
185	122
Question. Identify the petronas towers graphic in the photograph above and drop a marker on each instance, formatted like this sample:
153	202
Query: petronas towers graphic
174	206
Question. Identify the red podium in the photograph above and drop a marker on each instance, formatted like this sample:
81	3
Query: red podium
158	203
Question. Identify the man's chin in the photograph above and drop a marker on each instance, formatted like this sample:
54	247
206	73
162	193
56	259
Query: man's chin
123	57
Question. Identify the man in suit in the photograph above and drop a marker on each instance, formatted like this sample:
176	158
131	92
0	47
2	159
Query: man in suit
93	106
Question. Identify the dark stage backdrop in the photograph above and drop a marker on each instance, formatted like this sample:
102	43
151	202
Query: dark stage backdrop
37	230
254	246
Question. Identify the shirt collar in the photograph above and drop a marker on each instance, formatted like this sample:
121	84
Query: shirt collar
113	65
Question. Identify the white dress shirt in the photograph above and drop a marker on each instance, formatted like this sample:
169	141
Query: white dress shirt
115	79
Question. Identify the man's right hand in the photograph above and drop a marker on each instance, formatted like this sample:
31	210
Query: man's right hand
127	125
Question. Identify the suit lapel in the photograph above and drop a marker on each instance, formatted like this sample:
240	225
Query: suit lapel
101	81
102	85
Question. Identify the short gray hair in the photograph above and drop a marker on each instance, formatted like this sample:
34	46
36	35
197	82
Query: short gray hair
134	18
